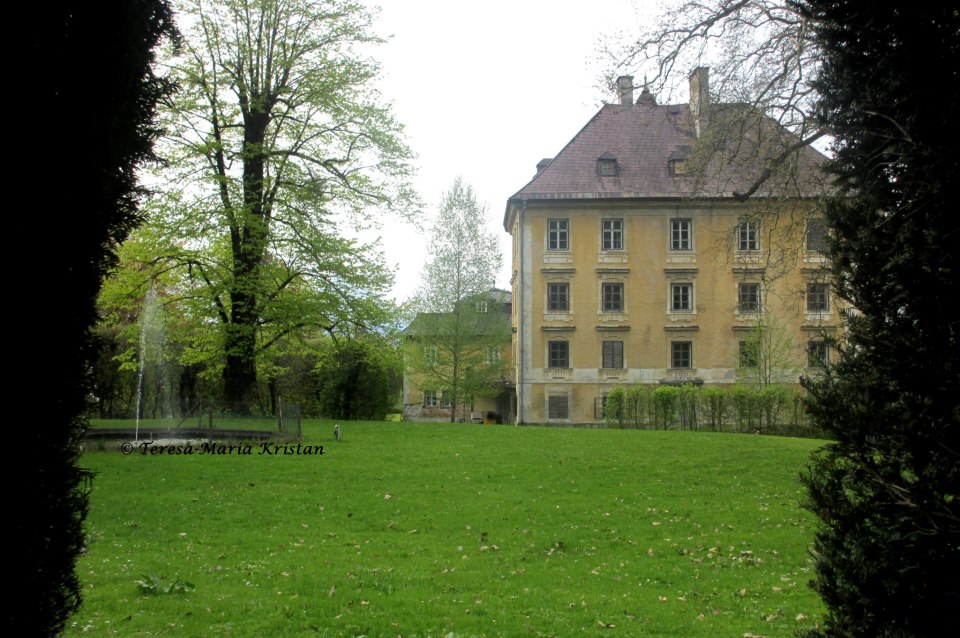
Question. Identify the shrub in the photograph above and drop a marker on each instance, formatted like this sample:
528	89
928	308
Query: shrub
663	402
688	406
715	401
613	407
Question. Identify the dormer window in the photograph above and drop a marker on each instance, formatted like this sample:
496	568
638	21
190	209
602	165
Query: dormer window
607	165
677	162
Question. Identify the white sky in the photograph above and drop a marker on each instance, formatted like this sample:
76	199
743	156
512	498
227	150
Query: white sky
486	89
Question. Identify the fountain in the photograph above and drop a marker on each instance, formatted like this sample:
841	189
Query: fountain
156	397
152	361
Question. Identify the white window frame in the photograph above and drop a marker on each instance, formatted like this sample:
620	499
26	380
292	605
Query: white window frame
681	234
615	353
620	296
685	291
611	236
551	350
558	286
558	234
676	350
818	297
740	297
748	235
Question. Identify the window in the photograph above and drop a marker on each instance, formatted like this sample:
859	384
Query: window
559	354
680	234
558	407
818	298
430	355
748	354
678	167
681	354
613	354
612	298
818	354
430	399
748	297
557	234
607	167
493	355
817	234
446	399
483	307
613	234
748	235
681	297
558	297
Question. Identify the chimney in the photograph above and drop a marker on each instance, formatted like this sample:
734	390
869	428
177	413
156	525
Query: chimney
700	98
625	89
646	97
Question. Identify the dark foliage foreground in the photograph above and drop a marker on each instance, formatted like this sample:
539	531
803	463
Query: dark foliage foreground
85	99
888	547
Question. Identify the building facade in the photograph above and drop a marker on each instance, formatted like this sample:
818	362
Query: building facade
456	364
637	258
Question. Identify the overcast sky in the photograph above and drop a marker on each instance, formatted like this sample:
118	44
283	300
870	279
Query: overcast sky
486	89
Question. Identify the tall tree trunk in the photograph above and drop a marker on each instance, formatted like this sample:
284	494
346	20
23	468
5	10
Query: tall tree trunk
249	244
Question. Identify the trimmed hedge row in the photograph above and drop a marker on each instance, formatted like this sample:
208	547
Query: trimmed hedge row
771	409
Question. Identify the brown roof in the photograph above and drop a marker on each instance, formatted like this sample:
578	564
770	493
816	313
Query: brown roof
643	138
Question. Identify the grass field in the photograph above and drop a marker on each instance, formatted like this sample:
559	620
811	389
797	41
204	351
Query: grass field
444	530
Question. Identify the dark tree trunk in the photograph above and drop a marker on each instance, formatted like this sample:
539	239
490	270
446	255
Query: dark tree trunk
249	244
240	371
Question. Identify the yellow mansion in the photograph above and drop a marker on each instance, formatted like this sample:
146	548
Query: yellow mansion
639	258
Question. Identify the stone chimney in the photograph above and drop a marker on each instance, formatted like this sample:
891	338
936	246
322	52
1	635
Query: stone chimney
625	89
700	98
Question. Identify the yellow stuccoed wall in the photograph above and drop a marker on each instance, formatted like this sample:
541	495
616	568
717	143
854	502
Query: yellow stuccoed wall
647	266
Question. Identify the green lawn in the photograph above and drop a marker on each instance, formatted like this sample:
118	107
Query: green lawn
459	530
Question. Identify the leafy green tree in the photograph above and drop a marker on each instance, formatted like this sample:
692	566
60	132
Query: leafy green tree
276	138
456	338
358	379
886	492
92	64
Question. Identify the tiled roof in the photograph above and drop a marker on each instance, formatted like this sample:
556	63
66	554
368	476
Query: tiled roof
643	138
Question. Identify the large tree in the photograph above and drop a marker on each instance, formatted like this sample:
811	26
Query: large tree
358	378
276	137
86	68
887	492
456	338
